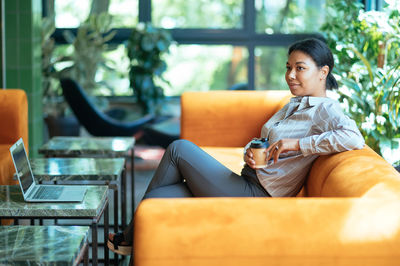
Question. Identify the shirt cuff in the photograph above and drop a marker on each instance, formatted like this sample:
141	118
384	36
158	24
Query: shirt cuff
306	146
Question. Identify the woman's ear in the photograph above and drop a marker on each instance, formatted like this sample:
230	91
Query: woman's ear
324	71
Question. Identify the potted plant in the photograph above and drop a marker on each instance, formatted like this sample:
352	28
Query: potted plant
88	46
146	47
366	46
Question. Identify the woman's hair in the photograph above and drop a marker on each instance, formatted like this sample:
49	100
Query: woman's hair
321	55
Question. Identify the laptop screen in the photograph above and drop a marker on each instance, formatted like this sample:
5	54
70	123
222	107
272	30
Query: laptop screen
22	165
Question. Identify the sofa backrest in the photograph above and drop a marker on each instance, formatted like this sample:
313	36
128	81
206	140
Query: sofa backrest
14	125
14	116
227	118
357	173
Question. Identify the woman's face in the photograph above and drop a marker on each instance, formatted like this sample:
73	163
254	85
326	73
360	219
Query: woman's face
304	77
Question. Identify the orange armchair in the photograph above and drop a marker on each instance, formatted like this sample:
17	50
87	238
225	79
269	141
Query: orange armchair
14	125
349	212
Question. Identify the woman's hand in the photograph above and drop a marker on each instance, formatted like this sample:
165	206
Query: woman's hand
282	146
248	158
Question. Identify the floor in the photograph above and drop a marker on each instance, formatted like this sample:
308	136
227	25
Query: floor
145	165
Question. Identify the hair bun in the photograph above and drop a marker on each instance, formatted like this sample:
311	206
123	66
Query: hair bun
331	82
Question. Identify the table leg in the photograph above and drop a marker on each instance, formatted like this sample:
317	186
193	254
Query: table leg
106	252
86	256
116	213
124	207
133	180
94	242
115	220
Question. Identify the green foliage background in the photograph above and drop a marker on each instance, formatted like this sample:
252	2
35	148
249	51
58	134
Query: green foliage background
366	46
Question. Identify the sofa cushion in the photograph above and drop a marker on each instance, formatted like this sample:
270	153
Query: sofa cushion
232	158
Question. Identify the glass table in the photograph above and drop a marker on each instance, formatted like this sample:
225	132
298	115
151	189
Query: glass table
44	245
93	206
83	171
98	147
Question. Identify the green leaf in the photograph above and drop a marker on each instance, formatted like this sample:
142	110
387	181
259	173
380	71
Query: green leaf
366	63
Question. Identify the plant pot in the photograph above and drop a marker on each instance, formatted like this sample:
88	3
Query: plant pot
62	126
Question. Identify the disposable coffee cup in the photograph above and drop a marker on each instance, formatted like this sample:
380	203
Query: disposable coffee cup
258	147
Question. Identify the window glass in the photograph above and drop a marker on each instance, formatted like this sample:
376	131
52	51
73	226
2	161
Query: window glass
112	77
71	13
197	13
203	68
270	68
289	16
124	12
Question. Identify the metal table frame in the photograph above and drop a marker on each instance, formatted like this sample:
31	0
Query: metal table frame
106	154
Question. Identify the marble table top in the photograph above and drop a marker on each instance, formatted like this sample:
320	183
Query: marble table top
12	205
77	146
41	245
77	169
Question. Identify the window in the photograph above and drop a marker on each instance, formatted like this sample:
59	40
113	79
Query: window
220	43
205	67
215	14
297	16
270	68
71	13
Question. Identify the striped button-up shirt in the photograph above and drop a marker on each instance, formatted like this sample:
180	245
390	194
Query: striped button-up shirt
321	127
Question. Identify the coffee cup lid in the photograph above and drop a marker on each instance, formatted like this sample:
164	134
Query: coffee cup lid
259	143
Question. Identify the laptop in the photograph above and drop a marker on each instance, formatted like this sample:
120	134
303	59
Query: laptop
33	192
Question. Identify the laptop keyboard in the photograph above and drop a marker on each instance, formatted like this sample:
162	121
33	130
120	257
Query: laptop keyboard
45	192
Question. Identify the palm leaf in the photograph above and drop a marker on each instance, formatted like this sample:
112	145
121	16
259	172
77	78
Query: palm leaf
366	63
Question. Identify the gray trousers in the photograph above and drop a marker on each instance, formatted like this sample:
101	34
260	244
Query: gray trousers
187	171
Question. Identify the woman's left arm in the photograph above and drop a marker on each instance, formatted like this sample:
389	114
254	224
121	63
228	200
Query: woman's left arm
337	133
332	132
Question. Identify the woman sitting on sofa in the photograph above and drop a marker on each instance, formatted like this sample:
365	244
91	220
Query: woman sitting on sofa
308	126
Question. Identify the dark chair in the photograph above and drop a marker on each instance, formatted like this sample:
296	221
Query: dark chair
95	121
239	87
161	133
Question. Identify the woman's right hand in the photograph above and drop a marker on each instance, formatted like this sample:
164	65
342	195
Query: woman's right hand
248	159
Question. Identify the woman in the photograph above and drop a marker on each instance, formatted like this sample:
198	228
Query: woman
308	126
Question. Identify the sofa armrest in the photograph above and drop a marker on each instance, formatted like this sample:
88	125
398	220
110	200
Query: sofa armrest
351	174
267	231
227	118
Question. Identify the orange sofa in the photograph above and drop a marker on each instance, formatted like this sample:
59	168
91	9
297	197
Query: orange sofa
348	212
14	124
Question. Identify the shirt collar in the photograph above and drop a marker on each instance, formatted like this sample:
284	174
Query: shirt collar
307	101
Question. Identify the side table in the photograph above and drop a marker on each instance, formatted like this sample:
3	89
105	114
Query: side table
110	147
93	206
44	245
83	171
